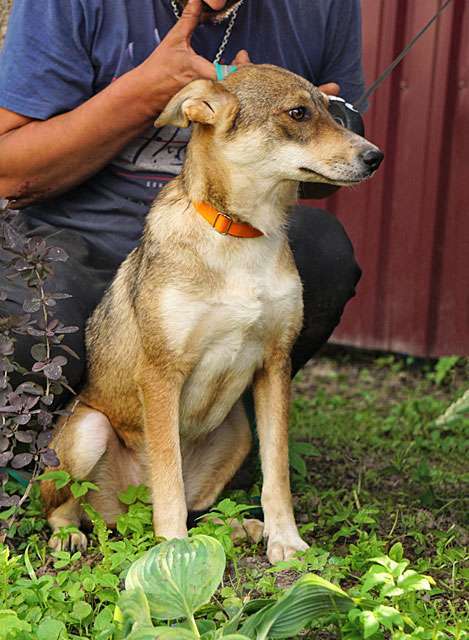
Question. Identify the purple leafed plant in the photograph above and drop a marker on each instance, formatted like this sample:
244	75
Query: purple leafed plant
26	412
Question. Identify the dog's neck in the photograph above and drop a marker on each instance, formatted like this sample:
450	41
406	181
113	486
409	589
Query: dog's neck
263	203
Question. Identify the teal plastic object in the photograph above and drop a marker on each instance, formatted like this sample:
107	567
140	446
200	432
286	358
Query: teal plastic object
16	475
224	70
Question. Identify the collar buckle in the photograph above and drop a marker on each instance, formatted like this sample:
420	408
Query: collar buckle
227	222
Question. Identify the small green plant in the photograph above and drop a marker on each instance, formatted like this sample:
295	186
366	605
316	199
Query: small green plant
61	479
443	368
390	582
219	524
298	451
458	410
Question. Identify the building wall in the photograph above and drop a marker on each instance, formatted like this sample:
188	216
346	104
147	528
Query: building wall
410	224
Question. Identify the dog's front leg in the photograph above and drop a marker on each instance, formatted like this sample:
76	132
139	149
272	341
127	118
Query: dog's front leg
160	394
272	397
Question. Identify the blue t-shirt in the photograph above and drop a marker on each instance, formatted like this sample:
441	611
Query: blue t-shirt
59	53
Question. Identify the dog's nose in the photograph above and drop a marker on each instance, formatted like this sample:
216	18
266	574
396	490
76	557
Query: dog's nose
372	158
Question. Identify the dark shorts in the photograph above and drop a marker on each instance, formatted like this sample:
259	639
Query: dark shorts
322	251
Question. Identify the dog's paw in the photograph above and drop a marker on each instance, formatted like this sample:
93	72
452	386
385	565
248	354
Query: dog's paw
283	547
254	529
249	529
72	542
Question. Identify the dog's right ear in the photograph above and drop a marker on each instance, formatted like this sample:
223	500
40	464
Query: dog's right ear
203	101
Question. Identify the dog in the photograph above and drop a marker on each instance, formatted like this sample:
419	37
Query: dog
208	304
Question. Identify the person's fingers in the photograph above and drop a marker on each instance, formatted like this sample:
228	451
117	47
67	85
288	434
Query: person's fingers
242	57
188	21
330	89
203	68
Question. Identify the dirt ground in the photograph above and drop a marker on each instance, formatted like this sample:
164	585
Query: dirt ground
391	377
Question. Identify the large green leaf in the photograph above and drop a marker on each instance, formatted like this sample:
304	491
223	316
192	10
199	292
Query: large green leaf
219	635
253	606
132	612
177	633
178	576
307	600
143	633
168	633
160	633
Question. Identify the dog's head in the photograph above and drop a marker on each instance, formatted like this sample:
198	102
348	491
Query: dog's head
275	123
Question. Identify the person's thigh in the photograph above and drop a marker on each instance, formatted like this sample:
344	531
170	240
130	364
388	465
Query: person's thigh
84	276
326	263
329	272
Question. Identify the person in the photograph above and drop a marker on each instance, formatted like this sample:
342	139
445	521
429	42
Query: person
80	86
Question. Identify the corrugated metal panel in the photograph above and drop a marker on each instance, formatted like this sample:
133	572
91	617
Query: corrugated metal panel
410	224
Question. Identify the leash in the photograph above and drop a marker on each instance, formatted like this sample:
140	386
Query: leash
387	72
225	70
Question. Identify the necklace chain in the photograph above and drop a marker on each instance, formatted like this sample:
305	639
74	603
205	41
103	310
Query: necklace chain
229	28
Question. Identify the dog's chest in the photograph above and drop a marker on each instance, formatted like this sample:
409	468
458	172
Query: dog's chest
223	336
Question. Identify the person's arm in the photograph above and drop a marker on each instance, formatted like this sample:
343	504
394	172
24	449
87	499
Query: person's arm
342	59
41	158
342	67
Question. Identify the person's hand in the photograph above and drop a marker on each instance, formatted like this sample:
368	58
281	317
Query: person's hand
174	63
330	89
242	57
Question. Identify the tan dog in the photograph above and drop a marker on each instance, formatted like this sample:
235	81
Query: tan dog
194	315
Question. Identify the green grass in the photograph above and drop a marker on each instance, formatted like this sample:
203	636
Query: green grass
376	470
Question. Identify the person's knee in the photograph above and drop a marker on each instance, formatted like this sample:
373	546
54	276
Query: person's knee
329	272
324	257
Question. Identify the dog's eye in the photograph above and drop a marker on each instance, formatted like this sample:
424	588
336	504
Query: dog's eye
299	114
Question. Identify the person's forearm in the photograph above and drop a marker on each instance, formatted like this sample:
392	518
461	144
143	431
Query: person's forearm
44	158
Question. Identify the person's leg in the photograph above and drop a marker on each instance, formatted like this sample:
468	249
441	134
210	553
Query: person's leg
85	276
325	260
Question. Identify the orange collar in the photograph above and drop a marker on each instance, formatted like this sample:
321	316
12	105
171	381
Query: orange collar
224	223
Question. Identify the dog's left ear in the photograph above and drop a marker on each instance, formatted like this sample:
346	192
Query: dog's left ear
203	101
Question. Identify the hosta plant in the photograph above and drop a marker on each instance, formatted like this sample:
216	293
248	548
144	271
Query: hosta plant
174	579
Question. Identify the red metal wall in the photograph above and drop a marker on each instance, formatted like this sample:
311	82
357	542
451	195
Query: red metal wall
410	224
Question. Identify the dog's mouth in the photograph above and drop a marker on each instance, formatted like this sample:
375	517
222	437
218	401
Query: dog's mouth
340	183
